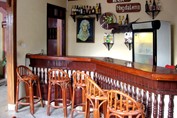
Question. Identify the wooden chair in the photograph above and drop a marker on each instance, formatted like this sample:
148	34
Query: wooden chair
25	75
96	96
123	106
79	83
58	78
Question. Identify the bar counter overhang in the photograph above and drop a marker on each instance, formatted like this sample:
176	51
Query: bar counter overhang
148	84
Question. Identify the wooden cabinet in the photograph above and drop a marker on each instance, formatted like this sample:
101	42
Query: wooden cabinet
56	32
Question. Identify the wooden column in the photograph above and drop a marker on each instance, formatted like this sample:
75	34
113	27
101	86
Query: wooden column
10	43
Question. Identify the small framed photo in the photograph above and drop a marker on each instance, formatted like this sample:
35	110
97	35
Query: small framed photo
85	30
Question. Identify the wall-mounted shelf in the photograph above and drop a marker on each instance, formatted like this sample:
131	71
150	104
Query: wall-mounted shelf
153	13
85	11
116	28
85	15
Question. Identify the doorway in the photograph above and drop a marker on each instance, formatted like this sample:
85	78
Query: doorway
56	30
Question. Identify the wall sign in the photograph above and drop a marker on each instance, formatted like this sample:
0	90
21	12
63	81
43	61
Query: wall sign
117	1
131	7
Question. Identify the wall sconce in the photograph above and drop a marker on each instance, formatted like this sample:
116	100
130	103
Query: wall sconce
128	40
108	40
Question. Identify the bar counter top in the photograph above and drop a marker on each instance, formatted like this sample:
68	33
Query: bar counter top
138	69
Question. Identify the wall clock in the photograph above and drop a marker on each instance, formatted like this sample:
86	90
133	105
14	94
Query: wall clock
106	19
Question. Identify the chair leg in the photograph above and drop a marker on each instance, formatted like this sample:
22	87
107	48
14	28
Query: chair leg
49	97
105	109
96	113
39	91
64	102
31	98
17	96
87	109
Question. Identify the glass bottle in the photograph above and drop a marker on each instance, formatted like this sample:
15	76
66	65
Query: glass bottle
150	5
146	6
158	5
154	5
126	20
99	8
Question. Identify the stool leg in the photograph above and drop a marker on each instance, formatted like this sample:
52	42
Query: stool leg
64	101
39	91
31	98
17	95
48	103
73	99
83	99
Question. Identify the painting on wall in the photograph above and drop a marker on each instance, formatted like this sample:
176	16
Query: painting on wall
85	30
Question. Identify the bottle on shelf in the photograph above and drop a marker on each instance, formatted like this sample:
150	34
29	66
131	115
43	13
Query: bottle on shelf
150	5
90	10
99	8
96	8
158	5
146	6
126	20
93	10
154	5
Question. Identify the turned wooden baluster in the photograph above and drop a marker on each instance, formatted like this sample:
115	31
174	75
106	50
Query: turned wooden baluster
130	91
144	101
149	106
118	85
134	93
170	106
161	106
140	96
155	106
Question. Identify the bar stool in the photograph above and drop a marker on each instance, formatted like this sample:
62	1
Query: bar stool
121	105
25	75
58	78
97	97
78	83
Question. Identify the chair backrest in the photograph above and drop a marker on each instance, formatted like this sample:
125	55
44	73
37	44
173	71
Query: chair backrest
93	91
57	75
79	78
120	104
24	72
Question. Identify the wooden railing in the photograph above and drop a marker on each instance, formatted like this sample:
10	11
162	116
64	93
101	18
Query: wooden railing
155	87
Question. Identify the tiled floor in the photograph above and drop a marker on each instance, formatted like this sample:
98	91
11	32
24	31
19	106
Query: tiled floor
40	112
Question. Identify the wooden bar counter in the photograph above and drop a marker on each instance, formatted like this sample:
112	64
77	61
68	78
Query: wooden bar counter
155	87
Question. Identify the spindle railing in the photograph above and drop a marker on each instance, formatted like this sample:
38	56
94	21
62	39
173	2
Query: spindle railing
155	87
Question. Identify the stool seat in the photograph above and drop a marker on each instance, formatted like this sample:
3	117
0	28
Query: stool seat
58	79
25	75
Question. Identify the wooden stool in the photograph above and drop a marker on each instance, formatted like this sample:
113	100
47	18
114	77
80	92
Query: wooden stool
122	105
97	97
58	78
25	75
78	82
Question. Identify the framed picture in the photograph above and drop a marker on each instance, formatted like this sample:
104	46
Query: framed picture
85	30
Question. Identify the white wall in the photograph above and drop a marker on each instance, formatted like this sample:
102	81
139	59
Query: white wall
119	50
31	26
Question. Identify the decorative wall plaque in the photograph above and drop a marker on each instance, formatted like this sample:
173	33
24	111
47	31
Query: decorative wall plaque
131	7
117	1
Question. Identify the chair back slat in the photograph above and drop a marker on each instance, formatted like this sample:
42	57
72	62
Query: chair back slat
121	104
